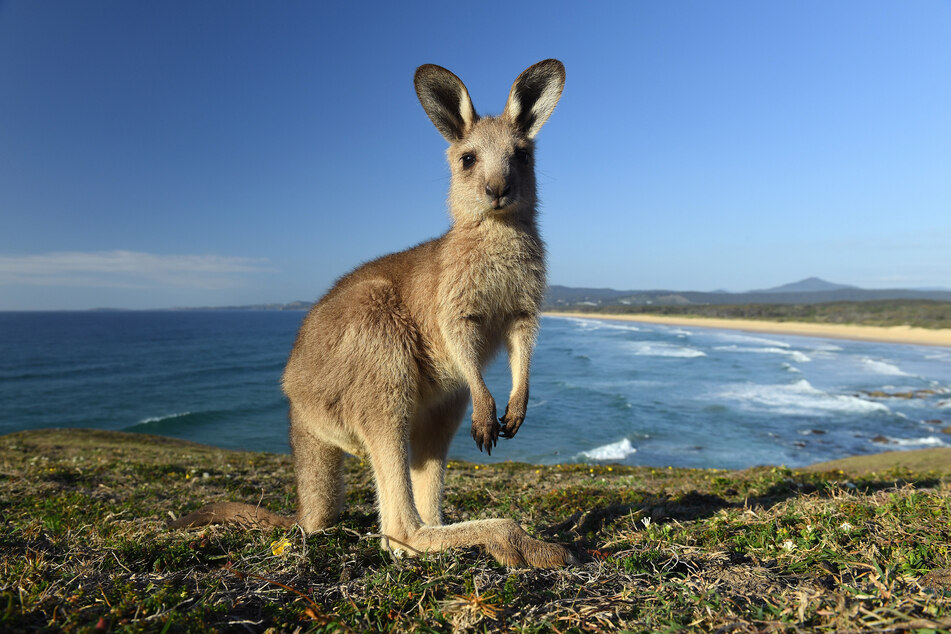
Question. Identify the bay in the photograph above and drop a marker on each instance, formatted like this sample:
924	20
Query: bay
605	391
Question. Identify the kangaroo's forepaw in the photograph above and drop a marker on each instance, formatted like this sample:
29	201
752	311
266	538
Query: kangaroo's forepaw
510	424
485	431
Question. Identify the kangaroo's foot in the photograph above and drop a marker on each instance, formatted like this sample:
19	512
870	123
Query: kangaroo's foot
517	549
505	540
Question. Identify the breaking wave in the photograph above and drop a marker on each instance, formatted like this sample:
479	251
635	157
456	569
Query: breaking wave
916	443
753	340
798	399
161	419
882	367
795	355
661	349
600	324
615	451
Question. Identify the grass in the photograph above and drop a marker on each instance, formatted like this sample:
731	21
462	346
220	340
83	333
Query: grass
83	547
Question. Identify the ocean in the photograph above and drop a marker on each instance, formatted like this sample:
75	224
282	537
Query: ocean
602	391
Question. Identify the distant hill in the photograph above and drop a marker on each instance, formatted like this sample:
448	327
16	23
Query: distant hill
812	290
808	291
299	305
808	285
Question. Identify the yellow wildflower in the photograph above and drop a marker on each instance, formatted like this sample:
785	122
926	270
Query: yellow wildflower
279	546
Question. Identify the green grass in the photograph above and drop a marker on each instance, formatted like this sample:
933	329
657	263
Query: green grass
83	547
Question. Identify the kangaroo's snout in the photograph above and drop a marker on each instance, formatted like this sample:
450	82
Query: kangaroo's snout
499	192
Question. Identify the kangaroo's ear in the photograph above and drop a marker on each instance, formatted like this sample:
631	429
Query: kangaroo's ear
446	101
534	95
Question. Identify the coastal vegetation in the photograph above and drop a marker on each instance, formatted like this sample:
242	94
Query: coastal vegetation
885	313
861	545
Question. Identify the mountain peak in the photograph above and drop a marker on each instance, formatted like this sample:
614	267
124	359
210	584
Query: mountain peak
808	285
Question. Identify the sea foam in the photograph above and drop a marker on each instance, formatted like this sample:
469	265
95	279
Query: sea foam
917	443
798	399
753	340
795	355
882	367
661	349
599	324
615	451
161	419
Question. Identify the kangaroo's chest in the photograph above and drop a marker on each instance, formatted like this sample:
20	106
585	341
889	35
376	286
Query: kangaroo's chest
502	281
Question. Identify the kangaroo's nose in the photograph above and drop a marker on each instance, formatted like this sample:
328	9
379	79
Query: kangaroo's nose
493	190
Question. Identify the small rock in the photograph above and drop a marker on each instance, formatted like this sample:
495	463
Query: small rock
882	440
934	421
907	395
946	430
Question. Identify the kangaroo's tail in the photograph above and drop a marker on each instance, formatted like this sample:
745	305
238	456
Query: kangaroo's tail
233	513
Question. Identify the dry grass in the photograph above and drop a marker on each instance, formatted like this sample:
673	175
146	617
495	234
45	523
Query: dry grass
84	547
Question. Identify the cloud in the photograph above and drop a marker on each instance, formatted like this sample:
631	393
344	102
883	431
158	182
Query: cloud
126	269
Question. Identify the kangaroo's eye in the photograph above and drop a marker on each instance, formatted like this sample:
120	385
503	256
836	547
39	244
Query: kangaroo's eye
522	156
468	160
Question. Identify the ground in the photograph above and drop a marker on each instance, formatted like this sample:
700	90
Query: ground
859	546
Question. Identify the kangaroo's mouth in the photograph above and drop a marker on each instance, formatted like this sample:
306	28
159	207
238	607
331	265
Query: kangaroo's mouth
503	204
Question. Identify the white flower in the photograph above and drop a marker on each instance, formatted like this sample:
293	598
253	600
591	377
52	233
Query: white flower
845	527
789	545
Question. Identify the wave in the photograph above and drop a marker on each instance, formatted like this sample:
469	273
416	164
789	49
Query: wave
160	419
825	347
757	340
661	349
615	451
795	355
83	371
914	443
791	368
882	367
598	324
680	332
798	399
178	423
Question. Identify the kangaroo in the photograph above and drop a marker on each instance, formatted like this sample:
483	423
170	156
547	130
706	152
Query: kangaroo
385	362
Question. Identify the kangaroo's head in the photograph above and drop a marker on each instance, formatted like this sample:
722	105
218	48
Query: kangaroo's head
491	158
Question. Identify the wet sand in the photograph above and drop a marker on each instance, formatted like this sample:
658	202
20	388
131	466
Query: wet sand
896	334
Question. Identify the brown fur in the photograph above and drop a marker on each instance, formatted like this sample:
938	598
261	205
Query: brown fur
385	362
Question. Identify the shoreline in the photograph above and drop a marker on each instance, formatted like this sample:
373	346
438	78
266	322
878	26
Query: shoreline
880	334
53	442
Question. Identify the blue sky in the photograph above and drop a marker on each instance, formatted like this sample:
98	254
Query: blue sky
209	153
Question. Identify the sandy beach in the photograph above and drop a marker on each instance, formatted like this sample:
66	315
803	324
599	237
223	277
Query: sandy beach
896	334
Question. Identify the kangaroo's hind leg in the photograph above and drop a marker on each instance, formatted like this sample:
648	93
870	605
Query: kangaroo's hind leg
318	468
430	436
403	529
